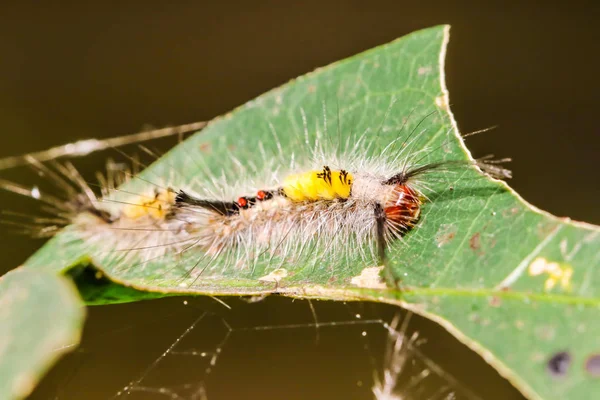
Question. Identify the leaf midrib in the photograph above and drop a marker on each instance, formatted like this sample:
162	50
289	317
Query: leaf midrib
510	295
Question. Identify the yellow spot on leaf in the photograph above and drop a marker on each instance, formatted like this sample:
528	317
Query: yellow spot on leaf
274	276
441	102
369	278
557	273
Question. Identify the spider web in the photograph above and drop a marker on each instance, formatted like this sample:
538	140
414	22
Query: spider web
194	348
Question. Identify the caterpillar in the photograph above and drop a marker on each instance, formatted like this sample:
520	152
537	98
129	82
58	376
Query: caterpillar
317	208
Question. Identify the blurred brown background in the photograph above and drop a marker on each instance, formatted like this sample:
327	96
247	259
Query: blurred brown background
77	70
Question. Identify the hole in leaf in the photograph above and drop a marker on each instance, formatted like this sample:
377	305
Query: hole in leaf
592	365
559	363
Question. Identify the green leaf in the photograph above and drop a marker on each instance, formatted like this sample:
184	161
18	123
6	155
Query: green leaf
515	284
41	317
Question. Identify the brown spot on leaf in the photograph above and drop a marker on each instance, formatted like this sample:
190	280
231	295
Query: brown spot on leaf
511	212
495	301
592	365
445	234
424	70
475	242
558	365
544	229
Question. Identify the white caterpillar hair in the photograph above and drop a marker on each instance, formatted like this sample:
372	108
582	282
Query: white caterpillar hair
274	215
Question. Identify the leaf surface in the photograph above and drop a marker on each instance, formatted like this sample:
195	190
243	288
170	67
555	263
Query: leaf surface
517	285
41	316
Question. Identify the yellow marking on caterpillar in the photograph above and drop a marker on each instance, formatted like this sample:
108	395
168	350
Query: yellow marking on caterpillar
156	208
318	185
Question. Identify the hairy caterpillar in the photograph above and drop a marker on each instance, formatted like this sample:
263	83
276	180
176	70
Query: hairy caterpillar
316	208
